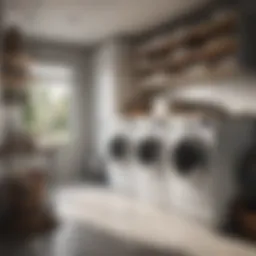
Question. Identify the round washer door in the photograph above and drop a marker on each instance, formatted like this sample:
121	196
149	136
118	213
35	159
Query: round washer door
189	155
149	151
119	147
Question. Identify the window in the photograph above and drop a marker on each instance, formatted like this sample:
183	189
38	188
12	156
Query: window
48	110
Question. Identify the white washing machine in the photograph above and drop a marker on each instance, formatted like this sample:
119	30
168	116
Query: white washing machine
118	151
235	98
148	146
190	148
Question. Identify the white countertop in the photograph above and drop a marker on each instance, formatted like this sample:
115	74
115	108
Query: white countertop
122	216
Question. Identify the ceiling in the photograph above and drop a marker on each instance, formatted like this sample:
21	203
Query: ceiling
89	21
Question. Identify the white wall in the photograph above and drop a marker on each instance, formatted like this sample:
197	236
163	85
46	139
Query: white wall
113	81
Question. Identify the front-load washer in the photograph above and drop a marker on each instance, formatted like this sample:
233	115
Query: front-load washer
118	154
147	163
191	144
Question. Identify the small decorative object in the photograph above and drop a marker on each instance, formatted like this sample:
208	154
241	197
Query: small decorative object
224	21
13	41
225	67
14	67
26	212
154	46
17	143
156	80
197	35
180	58
219	47
197	72
11	95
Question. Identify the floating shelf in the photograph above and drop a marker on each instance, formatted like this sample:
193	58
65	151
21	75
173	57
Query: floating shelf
192	53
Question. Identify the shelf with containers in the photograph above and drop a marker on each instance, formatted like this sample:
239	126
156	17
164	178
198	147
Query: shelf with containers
189	53
23	168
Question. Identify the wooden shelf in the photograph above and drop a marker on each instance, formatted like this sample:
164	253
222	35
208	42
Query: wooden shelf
162	44
189	54
184	56
217	25
221	23
156	80
218	48
207	110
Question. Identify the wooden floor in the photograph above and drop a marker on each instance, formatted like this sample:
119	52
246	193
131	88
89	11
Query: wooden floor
76	239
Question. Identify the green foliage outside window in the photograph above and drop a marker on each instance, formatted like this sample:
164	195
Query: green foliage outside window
46	113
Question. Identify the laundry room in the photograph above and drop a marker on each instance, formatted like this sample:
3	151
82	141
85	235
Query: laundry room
128	127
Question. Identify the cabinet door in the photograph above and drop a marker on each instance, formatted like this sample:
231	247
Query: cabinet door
247	21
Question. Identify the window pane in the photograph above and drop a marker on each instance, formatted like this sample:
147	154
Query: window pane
48	111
